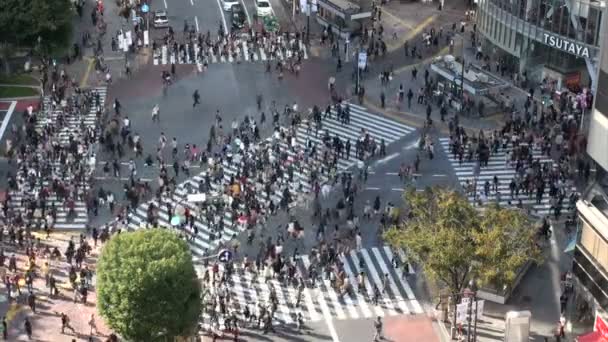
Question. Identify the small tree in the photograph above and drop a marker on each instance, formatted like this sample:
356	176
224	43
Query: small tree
147	286
455	243
42	25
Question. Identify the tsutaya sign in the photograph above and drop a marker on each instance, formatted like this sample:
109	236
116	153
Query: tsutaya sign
567	46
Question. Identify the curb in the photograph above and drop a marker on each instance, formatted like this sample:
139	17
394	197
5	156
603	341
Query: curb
20	98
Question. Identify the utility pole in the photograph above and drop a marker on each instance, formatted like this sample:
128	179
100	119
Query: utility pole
462	79
308	10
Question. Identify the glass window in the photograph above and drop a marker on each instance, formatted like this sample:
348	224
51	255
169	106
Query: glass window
595	245
601	99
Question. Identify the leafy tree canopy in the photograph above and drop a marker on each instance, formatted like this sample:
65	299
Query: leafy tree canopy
147	286
22	22
455	243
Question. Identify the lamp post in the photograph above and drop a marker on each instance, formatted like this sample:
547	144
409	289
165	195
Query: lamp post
308	10
462	79
470	312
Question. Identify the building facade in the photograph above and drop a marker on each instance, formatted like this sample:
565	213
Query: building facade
590	266
555	40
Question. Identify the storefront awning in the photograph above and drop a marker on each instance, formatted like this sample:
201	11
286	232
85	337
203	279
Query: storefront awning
595	336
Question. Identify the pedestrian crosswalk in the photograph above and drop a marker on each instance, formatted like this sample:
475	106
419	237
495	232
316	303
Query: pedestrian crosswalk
376	127
505	172
66	128
243	51
320	300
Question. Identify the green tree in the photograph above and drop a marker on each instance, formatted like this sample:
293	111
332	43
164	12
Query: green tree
505	242
44	25
147	286
455	243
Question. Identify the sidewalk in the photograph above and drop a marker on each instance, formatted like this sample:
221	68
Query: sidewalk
46	322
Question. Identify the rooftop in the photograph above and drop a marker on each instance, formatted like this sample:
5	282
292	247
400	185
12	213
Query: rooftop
476	80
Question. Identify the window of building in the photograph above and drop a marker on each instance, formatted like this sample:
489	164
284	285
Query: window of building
595	245
601	99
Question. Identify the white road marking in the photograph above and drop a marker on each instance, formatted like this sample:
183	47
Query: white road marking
246	12
440	175
196	23
219	5
372	188
392	173
7	118
165	2
387	158
326	313
411	145
398	189
192	2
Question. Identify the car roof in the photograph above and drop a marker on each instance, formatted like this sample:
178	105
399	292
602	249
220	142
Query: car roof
159	13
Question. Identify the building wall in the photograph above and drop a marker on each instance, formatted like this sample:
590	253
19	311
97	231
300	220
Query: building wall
598	126
521	28
591	253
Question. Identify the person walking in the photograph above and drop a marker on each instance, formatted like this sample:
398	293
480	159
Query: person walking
378	326
27	325
4	328
196	97
92	325
156	113
65	323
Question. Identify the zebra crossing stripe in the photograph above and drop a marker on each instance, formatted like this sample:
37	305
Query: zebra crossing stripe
352	279
312	311
246	52
321	297
393	286
368	285
377	281
406	286
262	54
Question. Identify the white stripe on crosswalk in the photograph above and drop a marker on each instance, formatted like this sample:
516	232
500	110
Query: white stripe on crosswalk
323	302
406	286
393	286
352	276
368	285
377	281
500	166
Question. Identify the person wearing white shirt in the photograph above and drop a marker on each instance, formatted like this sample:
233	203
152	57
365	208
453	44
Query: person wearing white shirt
156	113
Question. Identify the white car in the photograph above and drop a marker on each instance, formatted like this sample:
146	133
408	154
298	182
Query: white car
227	4
263	8
160	19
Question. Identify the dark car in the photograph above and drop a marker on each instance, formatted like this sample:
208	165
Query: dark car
239	18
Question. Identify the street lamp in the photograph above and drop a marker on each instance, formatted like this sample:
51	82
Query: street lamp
308	10
462	79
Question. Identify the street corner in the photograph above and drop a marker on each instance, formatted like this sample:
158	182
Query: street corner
409	329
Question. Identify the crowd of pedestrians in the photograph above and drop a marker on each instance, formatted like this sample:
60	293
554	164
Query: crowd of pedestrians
246	179
34	267
203	49
553	132
286	276
51	149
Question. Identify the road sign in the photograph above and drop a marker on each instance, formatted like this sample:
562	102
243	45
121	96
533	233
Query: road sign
145	8
362	60
224	255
